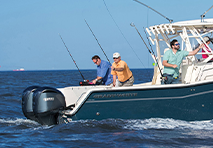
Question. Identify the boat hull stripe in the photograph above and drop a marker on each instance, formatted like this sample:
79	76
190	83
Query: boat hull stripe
140	99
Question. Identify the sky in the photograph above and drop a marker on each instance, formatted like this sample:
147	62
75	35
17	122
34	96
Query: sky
29	31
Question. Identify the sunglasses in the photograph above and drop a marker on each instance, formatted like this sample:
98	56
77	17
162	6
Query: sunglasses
115	58
177	44
96	61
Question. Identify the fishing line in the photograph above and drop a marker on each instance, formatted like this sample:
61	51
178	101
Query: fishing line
170	21
97	41
152	53
122	33
72	58
147	22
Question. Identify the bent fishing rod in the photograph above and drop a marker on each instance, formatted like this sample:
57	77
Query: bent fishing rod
170	21
152	53
72	57
97	40
203	15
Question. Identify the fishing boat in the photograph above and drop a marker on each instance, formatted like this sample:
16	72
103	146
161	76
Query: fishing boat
21	69
190	100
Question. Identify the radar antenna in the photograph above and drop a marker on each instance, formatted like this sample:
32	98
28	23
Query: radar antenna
203	15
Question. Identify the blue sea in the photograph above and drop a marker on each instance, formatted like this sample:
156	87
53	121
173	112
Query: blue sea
17	131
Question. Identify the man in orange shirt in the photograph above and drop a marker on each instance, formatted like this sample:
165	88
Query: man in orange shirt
122	71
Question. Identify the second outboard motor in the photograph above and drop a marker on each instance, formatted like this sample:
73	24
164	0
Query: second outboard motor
47	103
27	102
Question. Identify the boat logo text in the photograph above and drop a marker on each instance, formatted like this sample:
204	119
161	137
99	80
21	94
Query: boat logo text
49	99
116	95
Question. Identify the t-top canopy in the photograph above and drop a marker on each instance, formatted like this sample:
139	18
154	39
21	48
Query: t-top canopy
177	26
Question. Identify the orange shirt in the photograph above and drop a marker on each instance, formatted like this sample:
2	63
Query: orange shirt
122	75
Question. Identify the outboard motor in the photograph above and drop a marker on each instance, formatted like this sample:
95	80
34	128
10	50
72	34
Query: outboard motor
47	104
27	102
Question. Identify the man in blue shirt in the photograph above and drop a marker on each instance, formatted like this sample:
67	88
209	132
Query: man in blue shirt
103	71
172	60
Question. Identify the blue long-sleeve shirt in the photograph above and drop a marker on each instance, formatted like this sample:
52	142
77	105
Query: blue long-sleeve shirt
104	71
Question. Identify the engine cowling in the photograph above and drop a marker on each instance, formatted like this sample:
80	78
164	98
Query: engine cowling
47	103
27	102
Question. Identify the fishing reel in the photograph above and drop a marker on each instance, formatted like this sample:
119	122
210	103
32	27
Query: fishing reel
88	83
84	83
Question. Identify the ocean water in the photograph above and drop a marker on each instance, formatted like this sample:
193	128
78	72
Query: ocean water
17	131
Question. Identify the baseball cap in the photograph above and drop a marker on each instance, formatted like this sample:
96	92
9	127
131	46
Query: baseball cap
206	39
116	55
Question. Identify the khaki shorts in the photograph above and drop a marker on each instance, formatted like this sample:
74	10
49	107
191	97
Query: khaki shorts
110	84
129	82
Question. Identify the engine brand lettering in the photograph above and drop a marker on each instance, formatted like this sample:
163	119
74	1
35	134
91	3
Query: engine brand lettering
116	95
49	99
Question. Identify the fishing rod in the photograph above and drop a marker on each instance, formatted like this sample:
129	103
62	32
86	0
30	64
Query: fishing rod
72	58
152	53
170	21
97	40
203	15
149	41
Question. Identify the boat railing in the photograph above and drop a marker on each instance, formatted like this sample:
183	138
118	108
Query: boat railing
80	98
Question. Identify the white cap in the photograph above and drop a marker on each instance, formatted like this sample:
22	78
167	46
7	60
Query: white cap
116	55
206	39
